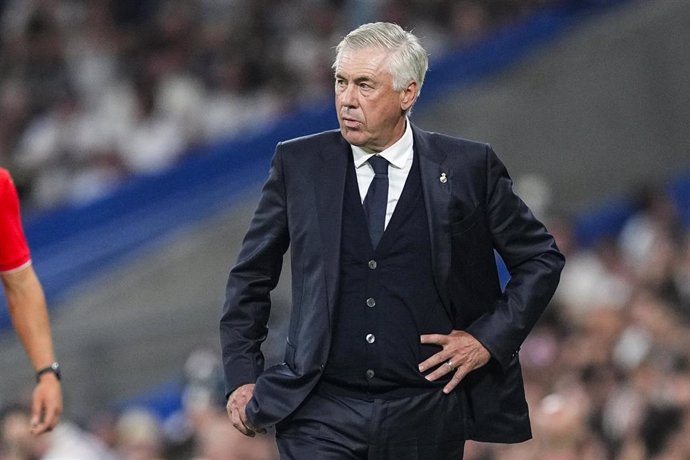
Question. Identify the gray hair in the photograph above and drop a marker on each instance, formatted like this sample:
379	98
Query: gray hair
408	59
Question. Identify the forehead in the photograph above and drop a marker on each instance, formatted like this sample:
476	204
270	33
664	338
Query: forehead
369	62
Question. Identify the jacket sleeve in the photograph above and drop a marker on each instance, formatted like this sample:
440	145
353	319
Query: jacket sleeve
532	259
243	324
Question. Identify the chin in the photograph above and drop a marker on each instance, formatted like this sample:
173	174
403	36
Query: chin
351	137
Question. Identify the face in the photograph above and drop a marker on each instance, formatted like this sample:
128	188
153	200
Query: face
370	111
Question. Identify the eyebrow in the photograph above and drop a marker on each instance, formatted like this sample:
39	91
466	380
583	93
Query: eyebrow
357	80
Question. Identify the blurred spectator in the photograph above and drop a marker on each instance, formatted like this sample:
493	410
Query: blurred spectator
16	440
66	441
139	435
655	220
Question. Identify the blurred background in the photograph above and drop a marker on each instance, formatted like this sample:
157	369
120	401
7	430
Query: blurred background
139	133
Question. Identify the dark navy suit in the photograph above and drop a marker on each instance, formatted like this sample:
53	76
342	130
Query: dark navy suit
471	211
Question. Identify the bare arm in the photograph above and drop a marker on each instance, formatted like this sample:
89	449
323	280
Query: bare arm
27	307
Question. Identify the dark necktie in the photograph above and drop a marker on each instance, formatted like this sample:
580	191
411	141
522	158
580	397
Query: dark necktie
377	199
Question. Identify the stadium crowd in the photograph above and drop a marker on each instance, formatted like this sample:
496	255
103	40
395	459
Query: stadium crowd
608	367
93	91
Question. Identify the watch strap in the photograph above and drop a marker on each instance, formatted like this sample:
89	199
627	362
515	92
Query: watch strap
53	368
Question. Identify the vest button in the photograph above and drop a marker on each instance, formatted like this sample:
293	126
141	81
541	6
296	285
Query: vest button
371	338
370	374
372	264
371	302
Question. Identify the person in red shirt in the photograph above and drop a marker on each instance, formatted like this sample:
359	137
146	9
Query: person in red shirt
27	307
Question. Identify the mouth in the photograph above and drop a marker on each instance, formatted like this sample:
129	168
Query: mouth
350	122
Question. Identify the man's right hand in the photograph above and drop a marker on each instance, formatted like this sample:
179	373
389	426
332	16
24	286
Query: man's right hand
237	403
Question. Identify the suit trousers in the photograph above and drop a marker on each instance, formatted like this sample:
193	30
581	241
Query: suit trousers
330	426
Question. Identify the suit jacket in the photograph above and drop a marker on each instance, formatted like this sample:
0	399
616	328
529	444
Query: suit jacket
472	211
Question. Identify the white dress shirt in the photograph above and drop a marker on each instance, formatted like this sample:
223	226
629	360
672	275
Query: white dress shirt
399	156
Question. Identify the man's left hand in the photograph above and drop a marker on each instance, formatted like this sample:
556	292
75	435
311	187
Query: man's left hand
461	353
46	404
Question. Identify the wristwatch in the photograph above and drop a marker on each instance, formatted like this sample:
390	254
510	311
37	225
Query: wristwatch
54	368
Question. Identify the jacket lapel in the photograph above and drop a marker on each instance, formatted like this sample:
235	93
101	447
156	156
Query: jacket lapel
329	188
436	180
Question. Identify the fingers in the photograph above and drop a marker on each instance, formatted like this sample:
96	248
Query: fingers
443	367
251	431
46	406
459	374
44	421
37	425
237	422
460	354
236	408
248	425
449	350
436	339
447	367
439	358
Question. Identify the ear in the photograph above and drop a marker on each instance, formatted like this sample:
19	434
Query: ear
408	95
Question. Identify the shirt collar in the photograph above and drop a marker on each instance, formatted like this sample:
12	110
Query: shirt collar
397	154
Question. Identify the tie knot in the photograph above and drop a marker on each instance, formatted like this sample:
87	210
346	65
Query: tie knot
379	164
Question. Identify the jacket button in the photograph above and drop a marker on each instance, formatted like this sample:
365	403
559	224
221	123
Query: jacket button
371	302
372	264
370	338
370	374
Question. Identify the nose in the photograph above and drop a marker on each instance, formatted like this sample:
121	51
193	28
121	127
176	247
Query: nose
348	96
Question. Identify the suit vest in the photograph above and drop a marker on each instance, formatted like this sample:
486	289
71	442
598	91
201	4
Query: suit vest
387	299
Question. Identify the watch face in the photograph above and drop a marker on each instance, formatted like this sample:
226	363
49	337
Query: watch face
54	368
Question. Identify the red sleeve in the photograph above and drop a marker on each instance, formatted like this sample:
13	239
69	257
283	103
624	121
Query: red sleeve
14	251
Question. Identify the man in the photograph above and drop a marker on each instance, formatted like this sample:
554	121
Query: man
27	307
401	343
